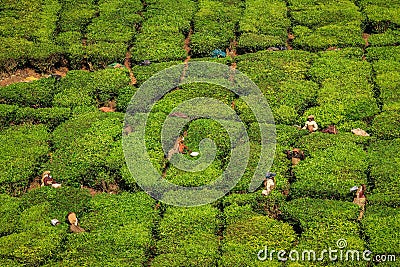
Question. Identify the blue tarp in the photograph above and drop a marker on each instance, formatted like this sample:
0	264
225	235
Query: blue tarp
218	53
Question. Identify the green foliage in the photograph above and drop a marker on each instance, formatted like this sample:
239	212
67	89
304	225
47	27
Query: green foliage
188	232
244	238
24	149
291	99
109	31
88	150
10	208
118	232
32	247
214	26
267	67
387	81
31	94
309	211
116	22
75	16
30	28
330	173
264	24
101	54
81	88
314	16
345	93
191	179
322	223
391	53
7	114
60	201
327	36
384	172
143	73
321	141
318	26
381	15
124	97
390	37
73	50
161	37
386	125
381	226
52	117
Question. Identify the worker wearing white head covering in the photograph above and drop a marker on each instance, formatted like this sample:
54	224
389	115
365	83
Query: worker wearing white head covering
311	125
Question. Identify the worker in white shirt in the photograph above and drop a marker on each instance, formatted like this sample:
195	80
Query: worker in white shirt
269	183
311	125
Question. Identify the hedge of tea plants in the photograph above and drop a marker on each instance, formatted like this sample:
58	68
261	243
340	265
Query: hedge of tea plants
327	70
264	24
214	26
320	25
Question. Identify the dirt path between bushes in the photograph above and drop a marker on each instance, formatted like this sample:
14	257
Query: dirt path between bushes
128	65
187	49
28	75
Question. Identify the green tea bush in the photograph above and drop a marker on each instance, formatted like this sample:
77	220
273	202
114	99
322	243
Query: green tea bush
214	26
291	99
124	97
60	201
101	54
88	150
267	68
345	93
322	223
384	172
11	58
381	15
131	208
10	208
122	11
381	227
32	247
264	24
387	76
44	56
25	148
327	36
318	26
246	237
385	125
52	117
330	173
74	16
31	94
116	21
320	141
143	73
109	31
190	233
81	88
162	34
121	221
73	50
318	15
7	114
309	211
391	53
390	37
33	26
192	179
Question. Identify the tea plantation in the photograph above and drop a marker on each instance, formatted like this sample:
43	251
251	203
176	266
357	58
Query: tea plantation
336	60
